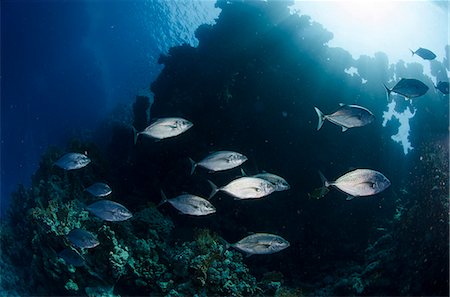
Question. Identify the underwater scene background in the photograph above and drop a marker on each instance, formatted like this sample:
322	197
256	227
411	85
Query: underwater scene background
248	76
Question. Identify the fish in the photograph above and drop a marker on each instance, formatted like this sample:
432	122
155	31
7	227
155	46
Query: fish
71	257
279	183
71	161
99	189
359	183
166	128
109	211
261	244
190	204
442	86
245	188
347	116
318	193
82	239
219	161
424	53
409	88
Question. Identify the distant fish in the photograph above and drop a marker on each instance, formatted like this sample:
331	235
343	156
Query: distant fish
219	161
318	193
99	189
347	116
424	53
442	86
280	183
71	257
245	188
190	204
109	211
71	161
359	182
166	127
261	244
409	88
82	239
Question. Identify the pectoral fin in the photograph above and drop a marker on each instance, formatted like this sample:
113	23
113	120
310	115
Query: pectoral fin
344	129
349	197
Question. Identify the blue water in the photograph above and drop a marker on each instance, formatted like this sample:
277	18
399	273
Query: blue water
67	64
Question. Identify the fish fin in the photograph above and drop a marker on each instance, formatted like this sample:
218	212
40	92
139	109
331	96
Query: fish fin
248	255
135	134
193	165
388	92
324	180
350	197
163	199
344	129
243	172
214	189
225	243
412	52
321	118
341	104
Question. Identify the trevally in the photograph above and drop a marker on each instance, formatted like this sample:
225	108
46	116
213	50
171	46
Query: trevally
71	257
280	183
190	204
359	182
99	189
71	161
424	53
443	87
261	244
409	88
166	128
82	239
347	116
245	188
109	211
219	161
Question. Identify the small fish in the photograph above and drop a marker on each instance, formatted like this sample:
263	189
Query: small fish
190	204
166	128
245	188
442	86
280	183
409	88
71	161
359	182
99	189
71	257
318	193
347	116
219	161
424	53
261	244
82	239
109	211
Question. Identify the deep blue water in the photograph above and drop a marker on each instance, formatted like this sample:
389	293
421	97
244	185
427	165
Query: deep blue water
67	64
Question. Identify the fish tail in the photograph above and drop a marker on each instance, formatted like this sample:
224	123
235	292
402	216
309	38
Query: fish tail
243	172
388	91
193	165
163	199
226	244
214	189
321	118
412	52
135	134
325	182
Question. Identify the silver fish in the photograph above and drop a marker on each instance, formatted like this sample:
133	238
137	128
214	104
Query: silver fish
359	182
347	116
280	183
261	243
409	88
219	161
82	239
99	189
72	161
190	204
167	127
71	257
245	188
109	211
443	86
424	53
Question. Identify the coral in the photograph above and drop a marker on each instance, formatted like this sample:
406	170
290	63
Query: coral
71	286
